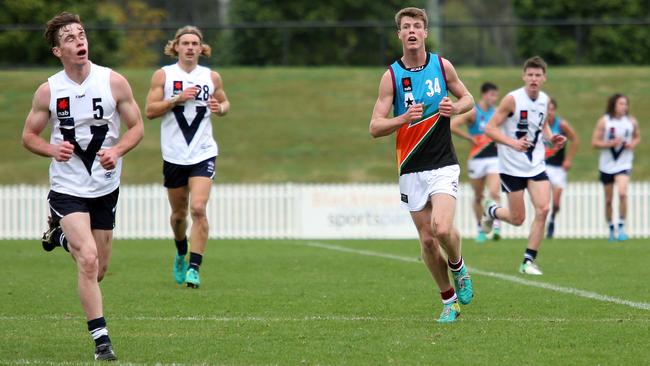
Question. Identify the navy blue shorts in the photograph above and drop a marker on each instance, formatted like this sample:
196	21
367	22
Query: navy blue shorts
510	183
101	209
609	178
178	175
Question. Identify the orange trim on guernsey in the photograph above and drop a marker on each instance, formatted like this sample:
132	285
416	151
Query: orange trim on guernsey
409	137
480	143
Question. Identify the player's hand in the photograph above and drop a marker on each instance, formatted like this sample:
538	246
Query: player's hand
558	140
414	113
628	146
566	165
189	93
214	105
615	142
446	107
521	145
63	151
108	158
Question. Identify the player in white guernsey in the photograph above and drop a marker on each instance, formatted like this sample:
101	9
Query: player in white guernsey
186	95
616	135
85	103
520	126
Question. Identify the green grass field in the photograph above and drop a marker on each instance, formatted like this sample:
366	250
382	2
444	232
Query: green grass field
333	302
311	124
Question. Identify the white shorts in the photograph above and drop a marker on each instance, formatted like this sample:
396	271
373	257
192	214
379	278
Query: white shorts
557	176
416	188
479	168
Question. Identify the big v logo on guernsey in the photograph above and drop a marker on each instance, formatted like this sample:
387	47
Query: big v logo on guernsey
617	152
63	107
87	156
189	130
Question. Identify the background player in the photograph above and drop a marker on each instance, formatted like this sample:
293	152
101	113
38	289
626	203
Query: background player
186	94
85	104
416	87
557	161
616	135
482	164
518	126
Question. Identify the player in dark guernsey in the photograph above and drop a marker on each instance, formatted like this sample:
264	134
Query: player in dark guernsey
482	163
558	161
416	88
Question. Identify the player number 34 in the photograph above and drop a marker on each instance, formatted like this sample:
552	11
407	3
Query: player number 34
434	87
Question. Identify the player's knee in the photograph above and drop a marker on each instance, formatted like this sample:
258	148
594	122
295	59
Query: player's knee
197	210
88	263
608	202
429	244
177	217
622	196
517	219
542	211
441	232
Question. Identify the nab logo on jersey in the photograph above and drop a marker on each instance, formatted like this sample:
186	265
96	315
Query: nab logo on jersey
406	84
178	87
63	107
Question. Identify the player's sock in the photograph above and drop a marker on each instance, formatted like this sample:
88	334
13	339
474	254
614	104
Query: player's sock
530	255
496	224
611	227
449	296
621	223
455	267
97	329
195	260
58	237
181	246
492	211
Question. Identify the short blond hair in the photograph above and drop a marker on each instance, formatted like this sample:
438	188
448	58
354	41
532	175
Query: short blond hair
206	50
415	13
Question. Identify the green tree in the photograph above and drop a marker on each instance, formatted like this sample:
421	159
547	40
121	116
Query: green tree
599	44
296	46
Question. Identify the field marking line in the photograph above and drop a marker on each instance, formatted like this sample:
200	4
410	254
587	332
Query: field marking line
497	275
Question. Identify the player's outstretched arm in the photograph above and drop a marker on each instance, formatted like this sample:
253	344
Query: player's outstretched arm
380	124
597	137
492	130
457	123
36	122
130	116
571	135
465	100
218	102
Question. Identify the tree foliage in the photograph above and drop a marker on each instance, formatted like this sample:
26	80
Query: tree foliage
597	44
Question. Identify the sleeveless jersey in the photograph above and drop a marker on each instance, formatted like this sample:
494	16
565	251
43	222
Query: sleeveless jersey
483	146
555	156
84	115
186	130
425	144
527	120
614	159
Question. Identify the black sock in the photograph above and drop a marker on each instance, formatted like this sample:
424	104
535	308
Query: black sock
195	260
181	246
97	329
611	226
58	237
530	255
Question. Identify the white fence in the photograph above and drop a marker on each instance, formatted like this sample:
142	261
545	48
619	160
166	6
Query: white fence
301	211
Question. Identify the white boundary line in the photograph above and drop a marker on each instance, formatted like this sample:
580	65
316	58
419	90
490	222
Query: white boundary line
501	276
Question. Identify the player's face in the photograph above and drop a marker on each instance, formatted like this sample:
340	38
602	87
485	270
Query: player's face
621	107
189	48
534	78
73	45
490	97
412	33
551	111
